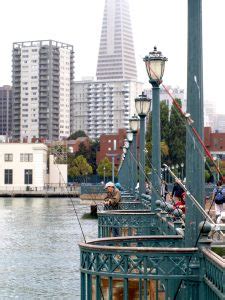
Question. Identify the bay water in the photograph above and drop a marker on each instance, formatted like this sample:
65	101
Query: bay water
39	253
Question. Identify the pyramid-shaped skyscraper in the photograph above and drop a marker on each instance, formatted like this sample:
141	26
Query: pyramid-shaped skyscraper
116	59
104	106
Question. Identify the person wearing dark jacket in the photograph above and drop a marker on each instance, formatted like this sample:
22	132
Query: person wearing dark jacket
178	192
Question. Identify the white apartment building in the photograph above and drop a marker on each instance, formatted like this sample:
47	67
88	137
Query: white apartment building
103	106
28	165
176	92
42	89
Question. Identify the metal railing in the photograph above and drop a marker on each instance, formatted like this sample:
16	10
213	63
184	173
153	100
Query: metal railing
92	188
109	271
129	222
214	275
136	222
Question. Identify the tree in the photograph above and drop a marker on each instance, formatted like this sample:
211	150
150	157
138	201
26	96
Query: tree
82	150
77	134
94	147
108	168
176	138
79	167
164	117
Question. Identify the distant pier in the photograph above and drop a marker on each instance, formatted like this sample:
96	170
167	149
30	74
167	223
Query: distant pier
57	192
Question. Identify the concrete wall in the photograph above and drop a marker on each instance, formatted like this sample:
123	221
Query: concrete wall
38	165
57	173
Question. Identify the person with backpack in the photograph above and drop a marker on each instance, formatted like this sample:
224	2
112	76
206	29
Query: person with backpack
178	192
218	197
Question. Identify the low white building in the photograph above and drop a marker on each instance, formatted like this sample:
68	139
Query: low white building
26	165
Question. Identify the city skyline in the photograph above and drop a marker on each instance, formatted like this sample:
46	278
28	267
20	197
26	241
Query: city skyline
73	23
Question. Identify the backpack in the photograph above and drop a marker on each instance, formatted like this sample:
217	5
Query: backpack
220	196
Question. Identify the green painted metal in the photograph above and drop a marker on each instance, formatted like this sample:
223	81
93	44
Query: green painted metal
140	222
128	222
142	156
214	277
194	159
158	263
156	138
134	161
143	241
141	265
88	188
131	205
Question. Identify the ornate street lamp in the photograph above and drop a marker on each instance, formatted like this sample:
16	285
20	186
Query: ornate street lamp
155	65
124	150
104	174
129	136
142	104
130	159
182	170
134	124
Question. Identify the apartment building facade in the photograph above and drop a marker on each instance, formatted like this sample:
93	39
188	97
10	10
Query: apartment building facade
103	107
42	89
6	110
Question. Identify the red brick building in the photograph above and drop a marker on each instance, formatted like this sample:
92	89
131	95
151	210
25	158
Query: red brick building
214	141
74	144
112	144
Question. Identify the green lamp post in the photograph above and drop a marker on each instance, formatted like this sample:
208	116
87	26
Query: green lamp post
134	123
130	164
142	104
155	65
126	162
195	179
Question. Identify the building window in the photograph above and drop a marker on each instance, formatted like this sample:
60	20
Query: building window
8	176
28	176
27	157
8	157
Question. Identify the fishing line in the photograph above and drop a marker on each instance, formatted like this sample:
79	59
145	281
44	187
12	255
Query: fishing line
202	211
76	214
141	169
188	121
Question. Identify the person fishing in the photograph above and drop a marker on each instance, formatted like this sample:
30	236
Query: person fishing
112	199
113	196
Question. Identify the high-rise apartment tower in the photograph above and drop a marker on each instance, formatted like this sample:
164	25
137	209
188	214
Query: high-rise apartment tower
42	89
6	110
116	59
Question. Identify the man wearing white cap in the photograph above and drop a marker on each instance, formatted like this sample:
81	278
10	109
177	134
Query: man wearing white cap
113	196
112	200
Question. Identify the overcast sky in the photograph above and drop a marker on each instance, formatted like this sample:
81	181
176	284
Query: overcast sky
78	22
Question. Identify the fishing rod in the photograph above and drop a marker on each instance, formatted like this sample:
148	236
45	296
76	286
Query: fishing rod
186	117
200	208
74	208
190	195
141	169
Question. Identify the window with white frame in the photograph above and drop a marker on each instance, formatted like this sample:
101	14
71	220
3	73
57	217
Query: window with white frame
26	157
8	157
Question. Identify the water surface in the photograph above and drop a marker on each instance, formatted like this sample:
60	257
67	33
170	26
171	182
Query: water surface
39	255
